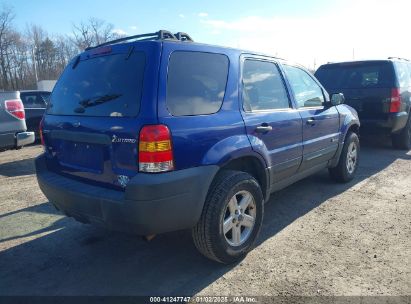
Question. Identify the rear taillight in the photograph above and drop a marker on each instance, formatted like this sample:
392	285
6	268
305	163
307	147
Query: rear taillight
395	105
41	131
155	149
15	108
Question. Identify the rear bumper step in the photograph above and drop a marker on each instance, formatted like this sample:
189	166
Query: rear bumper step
25	138
151	203
394	123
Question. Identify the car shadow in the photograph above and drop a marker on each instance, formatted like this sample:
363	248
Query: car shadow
43	208
18	168
77	259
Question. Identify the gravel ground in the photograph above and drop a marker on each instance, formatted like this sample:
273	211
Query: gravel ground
318	238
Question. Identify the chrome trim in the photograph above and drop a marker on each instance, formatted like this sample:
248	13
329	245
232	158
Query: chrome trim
24	138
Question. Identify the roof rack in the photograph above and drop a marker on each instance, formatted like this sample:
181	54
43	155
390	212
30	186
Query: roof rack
160	35
398	58
183	37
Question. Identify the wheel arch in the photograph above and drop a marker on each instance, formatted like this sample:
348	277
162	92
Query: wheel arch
354	127
253	165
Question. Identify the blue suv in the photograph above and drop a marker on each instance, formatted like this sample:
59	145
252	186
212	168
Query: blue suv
155	133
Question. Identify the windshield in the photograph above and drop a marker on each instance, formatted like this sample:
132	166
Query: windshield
356	75
102	86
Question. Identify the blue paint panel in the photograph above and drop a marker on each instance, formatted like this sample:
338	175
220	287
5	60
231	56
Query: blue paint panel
283	143
322	134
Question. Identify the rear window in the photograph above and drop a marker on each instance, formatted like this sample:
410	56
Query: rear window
101	86
33	100
196	83
356	75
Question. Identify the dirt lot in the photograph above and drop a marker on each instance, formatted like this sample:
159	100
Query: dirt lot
318	238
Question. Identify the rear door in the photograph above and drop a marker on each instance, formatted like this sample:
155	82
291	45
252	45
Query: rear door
320	123
96	111
366	85
272	124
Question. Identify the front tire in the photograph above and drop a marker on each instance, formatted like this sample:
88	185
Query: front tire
349	158
402	140
231	217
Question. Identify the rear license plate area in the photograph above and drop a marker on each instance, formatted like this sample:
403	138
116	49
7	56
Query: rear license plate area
82	156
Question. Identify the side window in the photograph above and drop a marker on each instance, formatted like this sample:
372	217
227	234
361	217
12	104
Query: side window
196	83
409	72
263	87
403	74
306	91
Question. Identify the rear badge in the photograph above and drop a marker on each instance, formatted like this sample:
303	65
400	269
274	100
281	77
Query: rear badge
116	139
123	180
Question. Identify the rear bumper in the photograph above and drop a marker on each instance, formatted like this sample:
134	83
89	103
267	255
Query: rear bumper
395	123
15	140
151	203
25	138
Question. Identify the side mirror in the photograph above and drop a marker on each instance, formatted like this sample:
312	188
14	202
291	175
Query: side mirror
337	98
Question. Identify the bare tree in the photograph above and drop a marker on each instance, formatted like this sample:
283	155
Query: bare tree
6	19
35	55
94	32
66	50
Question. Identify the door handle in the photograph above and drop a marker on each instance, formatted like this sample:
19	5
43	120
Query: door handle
263	128
311	121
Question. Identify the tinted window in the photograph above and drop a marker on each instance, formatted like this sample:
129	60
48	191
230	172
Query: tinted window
32	100
356	75
403	74
263	87
101	86
306	91
196	83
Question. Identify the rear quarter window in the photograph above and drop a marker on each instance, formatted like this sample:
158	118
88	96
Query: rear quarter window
108	85
403	74
196	83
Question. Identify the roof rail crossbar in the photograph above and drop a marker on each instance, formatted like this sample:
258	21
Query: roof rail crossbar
183	36
398	58
163	34
160	35
149	35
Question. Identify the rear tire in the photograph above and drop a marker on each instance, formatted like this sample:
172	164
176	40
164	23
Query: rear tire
402	140
348	162
231	217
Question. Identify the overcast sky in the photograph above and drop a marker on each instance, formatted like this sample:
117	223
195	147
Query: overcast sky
302	31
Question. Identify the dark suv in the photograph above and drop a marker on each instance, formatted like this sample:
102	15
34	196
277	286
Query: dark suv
34	105
380	91
155	133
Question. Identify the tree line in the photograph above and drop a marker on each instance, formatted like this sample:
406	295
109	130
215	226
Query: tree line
33	54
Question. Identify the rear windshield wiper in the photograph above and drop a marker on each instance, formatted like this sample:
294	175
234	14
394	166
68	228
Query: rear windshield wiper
94	101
